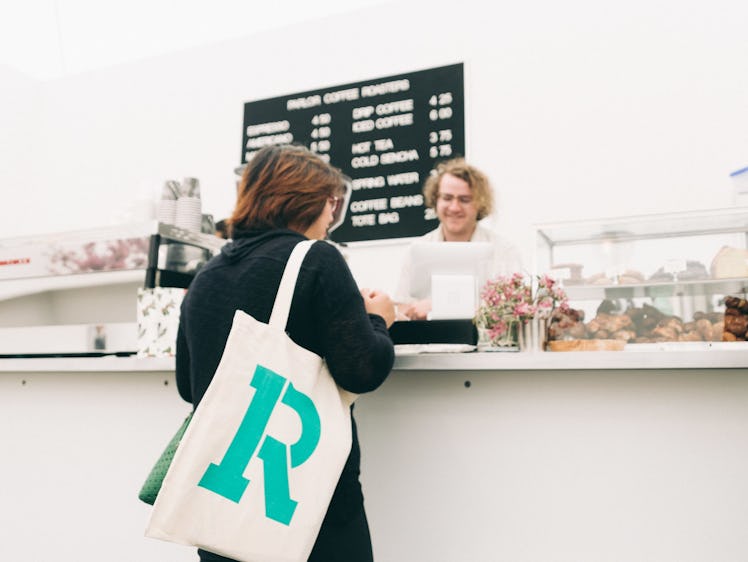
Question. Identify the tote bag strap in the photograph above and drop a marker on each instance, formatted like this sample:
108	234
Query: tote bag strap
282	305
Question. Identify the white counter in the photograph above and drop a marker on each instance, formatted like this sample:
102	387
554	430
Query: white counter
575	360
108	364
563	457
723	358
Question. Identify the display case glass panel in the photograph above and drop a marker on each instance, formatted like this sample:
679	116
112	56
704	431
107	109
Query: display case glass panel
679	277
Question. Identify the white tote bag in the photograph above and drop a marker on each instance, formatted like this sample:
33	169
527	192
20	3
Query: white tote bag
257	467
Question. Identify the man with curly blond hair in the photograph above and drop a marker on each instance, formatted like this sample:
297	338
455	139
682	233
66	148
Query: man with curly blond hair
461	195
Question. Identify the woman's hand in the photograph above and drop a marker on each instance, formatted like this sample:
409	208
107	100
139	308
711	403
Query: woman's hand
377	302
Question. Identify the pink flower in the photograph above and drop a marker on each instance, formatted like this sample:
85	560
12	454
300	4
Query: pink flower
522	309
511	298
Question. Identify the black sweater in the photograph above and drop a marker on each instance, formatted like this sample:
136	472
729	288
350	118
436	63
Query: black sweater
327	317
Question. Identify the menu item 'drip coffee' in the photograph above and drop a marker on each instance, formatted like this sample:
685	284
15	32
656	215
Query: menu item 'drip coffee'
386	134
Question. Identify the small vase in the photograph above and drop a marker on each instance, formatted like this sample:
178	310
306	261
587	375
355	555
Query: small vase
506	342
532	334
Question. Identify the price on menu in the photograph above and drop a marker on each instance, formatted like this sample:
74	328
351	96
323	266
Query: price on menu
386	134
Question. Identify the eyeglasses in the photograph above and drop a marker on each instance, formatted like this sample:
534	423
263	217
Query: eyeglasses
449	197
339	205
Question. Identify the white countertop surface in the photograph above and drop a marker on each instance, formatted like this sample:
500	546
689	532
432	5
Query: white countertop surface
109	364
472	361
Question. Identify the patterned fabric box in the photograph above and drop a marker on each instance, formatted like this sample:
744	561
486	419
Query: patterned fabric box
158	321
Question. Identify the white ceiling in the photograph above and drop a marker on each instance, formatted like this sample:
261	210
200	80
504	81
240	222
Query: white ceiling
48	39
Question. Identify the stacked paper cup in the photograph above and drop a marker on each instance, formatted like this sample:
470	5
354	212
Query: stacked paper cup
189	213
189	206
167	211
167	207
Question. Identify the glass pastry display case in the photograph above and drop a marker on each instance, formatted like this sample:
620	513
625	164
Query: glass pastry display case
656	279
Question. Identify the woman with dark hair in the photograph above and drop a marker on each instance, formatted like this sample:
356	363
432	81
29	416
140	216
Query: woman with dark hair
288	194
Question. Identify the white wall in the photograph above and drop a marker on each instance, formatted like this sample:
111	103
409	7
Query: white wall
576	110
21	153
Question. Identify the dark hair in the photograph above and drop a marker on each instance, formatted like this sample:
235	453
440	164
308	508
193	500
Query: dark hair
285	186
477	180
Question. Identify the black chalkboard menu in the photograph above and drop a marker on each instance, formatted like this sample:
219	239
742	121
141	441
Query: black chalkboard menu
386	134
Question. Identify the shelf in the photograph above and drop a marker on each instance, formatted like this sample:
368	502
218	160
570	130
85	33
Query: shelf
182	236
34	283
112	232
658	289
644	227
14	288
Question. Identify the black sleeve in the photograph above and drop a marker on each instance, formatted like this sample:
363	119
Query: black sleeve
356	345
184	385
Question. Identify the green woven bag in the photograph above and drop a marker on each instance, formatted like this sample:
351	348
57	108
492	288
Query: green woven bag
152	484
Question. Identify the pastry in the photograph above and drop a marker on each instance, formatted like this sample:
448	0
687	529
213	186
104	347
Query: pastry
713	317
644	319
736	324
668	328
690	336
624	335
599	279
704	328
630	277
735	319
661	275
730	262
587	345
700	330
741	305
609	323
566	325
694	270
662	333
672	322
718	329
643	339
607	306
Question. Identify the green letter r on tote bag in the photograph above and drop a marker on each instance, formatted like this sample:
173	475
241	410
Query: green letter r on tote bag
227	480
